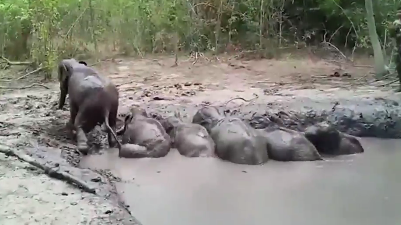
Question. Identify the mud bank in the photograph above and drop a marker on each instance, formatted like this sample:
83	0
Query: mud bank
363	117
31	197
30	125
32	116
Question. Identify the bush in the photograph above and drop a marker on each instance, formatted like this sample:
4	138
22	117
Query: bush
47	30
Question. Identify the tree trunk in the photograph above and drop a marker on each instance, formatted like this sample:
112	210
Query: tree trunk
380	69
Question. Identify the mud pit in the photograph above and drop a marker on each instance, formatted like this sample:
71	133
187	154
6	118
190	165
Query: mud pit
304	87
358	189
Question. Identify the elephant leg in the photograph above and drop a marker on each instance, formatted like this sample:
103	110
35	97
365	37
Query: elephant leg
82	141
73	115
112	122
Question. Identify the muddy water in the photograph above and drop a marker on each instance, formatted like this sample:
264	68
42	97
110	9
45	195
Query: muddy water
359	189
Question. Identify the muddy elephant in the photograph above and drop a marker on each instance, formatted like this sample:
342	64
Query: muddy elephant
191	140
289	145
235	140
143	137
93	100
330	141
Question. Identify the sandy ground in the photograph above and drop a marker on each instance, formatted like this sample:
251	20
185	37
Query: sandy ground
30	118
27	196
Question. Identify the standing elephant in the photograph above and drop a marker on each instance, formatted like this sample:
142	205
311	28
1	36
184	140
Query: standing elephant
191	140
235	140
289	145
330	141
143	136
93	100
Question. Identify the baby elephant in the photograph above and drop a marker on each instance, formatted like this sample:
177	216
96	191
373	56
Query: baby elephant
191	140
330	141
289	145
93	100
139	130
235	140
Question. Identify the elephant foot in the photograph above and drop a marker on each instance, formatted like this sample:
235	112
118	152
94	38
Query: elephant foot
83	147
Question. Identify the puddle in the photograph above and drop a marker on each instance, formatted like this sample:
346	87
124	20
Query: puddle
356	189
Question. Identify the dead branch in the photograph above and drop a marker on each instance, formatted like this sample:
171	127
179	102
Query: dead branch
51	172
243	99
11	63
371	82
338	50
76	21
32	72
95	63
25	87
388	83
196	58
334	106
198	55
335	32
352	24
367	66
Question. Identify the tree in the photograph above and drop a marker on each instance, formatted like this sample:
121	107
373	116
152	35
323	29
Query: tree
380	68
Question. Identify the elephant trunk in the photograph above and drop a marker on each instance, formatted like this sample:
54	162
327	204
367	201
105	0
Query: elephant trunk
127	120
61	101
106	122
63	77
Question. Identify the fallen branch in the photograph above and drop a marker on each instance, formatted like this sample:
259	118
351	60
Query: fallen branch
382	78
388	83
338	50
32	72
25	87
51	172
198	55
243	99
10	63
334	106
366	66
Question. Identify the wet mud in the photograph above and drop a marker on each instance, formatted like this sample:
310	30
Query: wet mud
360	189
363	117
31	121
34	126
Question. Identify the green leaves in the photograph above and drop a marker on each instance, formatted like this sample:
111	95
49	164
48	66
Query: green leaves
51	29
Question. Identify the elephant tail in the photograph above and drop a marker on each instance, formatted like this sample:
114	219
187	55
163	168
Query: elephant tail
106	122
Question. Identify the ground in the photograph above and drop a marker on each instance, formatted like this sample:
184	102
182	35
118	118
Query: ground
30	118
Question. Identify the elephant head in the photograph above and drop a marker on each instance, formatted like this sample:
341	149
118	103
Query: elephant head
170	122
207	117
65	69
134	112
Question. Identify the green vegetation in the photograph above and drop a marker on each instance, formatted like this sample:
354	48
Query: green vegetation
43	31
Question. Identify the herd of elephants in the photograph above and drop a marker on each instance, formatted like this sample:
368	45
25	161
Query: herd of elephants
94	100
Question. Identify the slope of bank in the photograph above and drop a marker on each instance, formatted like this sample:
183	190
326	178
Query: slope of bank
27	196
365	115
31	196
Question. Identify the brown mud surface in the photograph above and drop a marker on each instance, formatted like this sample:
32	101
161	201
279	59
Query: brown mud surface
30	120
